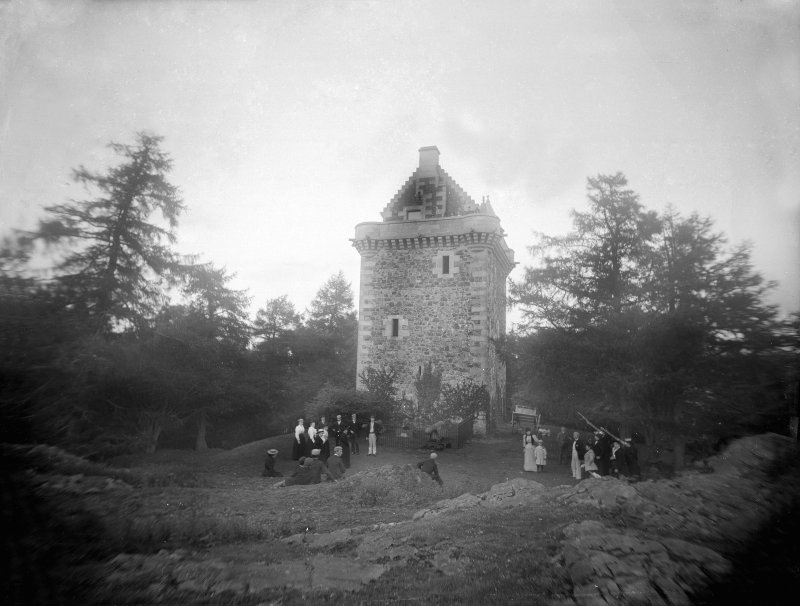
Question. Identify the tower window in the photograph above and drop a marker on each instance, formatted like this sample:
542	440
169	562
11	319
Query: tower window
414	215
444	265
395	327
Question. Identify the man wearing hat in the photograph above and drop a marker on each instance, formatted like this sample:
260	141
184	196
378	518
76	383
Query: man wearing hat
318	468
429	466
269	465
336	465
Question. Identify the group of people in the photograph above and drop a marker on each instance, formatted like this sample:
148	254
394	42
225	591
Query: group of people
313	470
312	443
344	433
311	446
599	455
534	452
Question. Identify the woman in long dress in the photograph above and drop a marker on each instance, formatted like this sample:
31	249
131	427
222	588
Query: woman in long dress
311	438
299	444
528	444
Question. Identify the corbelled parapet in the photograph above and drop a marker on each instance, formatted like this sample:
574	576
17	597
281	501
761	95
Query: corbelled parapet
436	233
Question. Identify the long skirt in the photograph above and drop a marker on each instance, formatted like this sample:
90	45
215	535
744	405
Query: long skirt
309	446
299	448
576	465
529	464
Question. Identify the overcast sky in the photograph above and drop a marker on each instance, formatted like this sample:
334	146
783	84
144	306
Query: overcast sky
291	122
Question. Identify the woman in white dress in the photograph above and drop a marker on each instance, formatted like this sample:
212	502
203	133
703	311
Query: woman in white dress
311	438
528	444
299	444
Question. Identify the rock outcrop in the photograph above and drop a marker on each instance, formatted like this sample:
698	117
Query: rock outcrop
654	542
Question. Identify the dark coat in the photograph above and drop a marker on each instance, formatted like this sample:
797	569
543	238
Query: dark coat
430	467
337	430
318	469
602	452
344	442
580	446
336	467
304	474
631	460
269	468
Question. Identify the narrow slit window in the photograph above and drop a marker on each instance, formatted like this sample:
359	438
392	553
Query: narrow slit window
395	327
446	264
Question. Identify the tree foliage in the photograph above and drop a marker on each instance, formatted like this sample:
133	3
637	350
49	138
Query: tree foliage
647	321
130	346
428	390
463	400
331	400
275	321
119	254
380	381
331	310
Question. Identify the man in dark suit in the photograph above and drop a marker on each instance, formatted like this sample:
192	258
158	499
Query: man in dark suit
337	430
602	453
355	433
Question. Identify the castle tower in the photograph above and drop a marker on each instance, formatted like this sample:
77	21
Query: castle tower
433	285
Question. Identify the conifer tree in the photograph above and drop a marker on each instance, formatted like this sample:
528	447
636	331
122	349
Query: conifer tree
118	253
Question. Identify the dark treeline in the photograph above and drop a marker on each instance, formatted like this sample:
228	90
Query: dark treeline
128	345
644	322
647	323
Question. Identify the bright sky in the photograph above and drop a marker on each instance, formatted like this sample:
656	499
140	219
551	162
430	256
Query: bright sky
290	122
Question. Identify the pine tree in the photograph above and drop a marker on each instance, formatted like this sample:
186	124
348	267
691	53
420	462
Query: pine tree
120	255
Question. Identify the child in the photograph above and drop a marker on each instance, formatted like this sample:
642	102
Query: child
540	456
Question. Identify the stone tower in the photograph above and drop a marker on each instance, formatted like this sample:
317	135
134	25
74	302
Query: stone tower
433	285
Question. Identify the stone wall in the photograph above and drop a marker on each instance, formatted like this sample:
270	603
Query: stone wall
450	320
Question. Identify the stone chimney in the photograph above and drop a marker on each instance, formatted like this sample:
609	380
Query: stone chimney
428	161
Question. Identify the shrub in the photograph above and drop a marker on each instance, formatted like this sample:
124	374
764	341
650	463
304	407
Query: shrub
331	401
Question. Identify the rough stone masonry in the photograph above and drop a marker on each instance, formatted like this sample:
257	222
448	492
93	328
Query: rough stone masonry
433	285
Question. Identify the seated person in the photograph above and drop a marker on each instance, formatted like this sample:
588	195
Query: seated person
429	466
336	468
318	469
269	465
304	474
